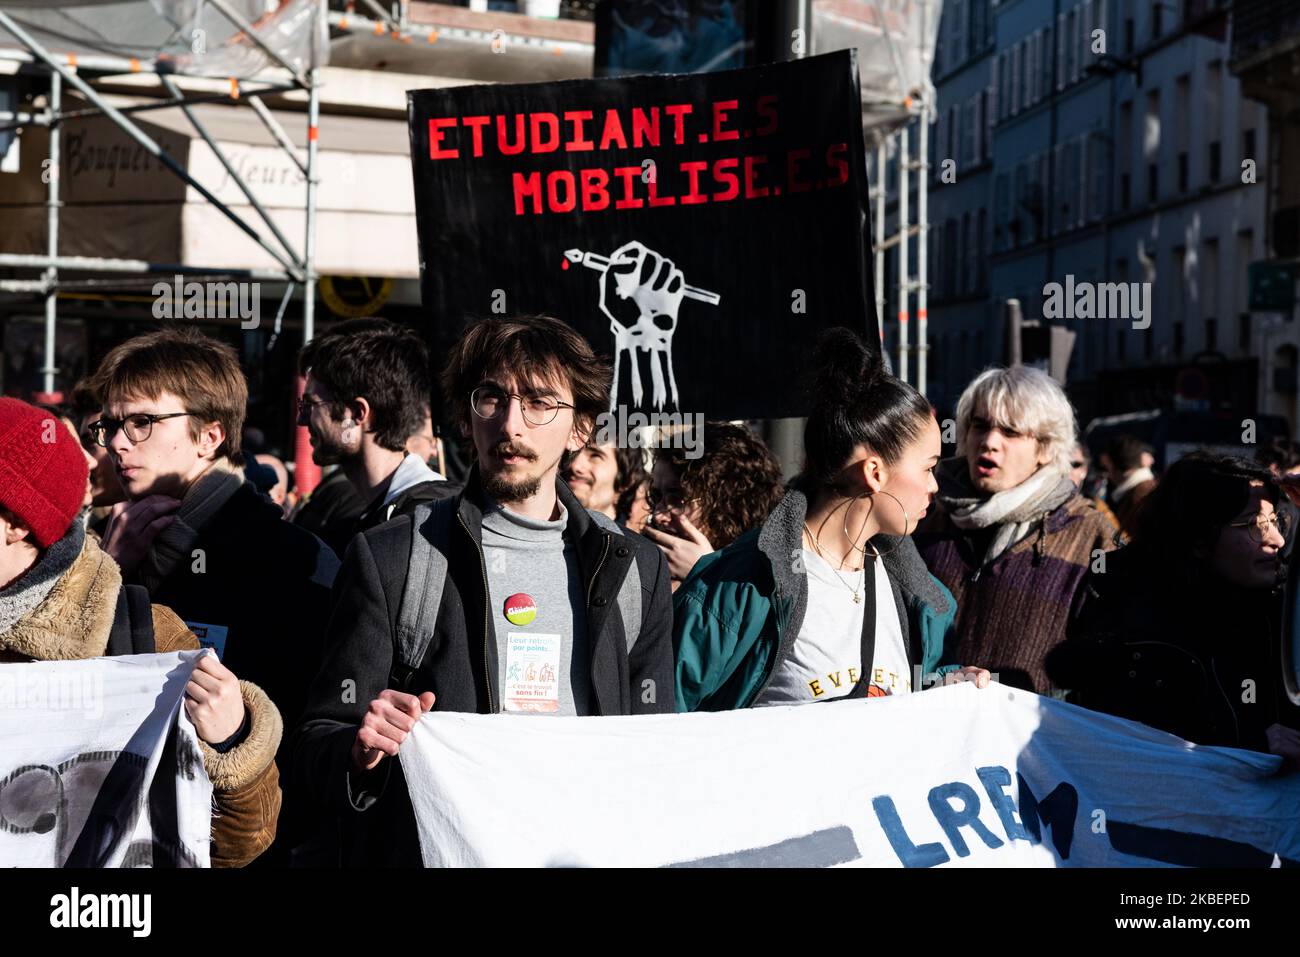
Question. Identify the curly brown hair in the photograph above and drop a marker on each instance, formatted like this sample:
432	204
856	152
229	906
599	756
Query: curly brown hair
736	482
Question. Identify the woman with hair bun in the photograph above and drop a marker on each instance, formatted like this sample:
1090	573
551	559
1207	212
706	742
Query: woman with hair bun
828	599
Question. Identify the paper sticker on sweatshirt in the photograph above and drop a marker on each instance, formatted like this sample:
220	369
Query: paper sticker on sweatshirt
210	636
532	673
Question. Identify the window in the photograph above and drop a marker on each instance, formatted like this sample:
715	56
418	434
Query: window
952	259
986	125
970	133
1157	21
1208	281
957	47
967	254
1061	72
1214	118
1000	217
995	102
1178	339
1182	120
1151	144
1017	60
1071	46
1124	154
1248	144
1046	60
979	10
1021	216
1128	34
981	259
1243	330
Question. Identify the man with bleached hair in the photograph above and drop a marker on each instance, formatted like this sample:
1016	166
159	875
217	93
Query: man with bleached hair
1012	538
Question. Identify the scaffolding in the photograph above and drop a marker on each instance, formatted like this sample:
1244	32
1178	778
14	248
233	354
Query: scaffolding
897	39
289	38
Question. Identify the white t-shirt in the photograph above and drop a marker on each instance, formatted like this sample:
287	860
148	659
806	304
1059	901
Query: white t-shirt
825	661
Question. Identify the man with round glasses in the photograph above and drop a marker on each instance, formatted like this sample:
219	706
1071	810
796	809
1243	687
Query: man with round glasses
456	607
197	536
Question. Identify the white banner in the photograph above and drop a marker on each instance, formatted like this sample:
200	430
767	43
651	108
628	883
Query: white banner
951	776
100	765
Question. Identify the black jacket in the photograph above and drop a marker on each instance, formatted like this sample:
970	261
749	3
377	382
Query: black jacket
268	583
331	511
405	503
1175	654
460	666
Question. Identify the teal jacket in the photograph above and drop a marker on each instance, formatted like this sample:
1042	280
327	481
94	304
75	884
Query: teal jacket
739	611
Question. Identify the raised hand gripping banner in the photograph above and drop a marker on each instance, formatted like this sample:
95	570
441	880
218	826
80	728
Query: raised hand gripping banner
698	230
953	776
100	766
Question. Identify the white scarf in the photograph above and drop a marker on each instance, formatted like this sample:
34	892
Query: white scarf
1013	511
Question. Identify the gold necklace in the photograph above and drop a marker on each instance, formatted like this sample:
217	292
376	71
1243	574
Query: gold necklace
857	596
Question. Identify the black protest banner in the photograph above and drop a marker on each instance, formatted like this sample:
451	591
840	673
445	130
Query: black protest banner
699	230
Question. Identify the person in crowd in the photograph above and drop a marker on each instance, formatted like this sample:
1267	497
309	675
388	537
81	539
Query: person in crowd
62	598
1181	628
705	502
331	510
1128	462
828	599
633	505
1012	538
512	556
610	480
200	539
367	393
1081	475
1281	456
279	491
425	444
105	489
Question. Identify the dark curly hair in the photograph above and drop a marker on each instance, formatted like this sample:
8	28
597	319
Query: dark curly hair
736	482
1198	495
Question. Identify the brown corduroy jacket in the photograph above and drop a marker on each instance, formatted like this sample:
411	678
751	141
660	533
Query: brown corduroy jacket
1013	611
74	621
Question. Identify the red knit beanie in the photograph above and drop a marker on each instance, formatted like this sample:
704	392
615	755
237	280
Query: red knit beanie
42	470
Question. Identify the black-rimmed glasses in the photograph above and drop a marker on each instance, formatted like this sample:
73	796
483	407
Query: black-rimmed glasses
138	426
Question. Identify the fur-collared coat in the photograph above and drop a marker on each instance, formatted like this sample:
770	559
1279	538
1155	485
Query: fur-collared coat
74	621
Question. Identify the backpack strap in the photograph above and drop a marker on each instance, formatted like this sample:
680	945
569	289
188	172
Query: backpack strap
132	631
426	575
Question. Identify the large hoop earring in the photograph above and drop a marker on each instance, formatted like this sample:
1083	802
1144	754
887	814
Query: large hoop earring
849	538
906	521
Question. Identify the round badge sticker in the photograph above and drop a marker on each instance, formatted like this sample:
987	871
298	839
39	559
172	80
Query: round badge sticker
521	609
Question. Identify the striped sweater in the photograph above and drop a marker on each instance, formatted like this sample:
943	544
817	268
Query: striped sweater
1012	612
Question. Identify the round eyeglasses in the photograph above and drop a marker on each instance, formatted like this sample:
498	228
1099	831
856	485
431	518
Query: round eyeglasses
138	426
488	402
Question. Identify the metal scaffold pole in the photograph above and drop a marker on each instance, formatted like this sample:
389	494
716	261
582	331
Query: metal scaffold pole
922	244
881	196
904	277
306	472
52	238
